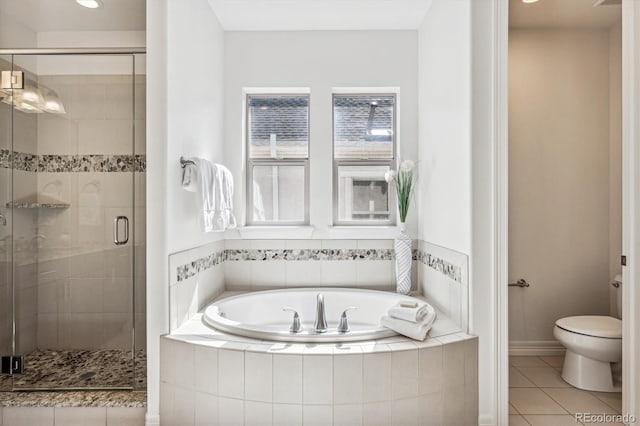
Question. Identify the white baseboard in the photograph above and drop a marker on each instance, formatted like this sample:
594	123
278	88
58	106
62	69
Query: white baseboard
486	420
151	419
535	348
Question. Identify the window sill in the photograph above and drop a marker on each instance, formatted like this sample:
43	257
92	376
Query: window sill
271	232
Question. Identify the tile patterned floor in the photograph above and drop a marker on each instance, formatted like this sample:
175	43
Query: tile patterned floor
46	369
539	396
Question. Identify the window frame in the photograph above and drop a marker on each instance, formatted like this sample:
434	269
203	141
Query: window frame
340	162
250	163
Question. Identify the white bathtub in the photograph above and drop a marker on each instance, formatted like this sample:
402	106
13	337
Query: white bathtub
260	315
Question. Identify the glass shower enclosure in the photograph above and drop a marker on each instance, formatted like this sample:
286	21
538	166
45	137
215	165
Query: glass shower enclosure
72	209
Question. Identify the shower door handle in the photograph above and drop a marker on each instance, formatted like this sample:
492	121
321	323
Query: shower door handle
116	229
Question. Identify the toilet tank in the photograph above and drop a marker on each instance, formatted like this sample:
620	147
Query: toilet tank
615	297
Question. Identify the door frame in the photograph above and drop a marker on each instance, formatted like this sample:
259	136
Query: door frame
631	205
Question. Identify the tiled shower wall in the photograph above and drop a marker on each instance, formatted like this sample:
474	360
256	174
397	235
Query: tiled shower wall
200	274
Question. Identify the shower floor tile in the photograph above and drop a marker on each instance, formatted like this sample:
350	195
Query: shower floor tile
46	369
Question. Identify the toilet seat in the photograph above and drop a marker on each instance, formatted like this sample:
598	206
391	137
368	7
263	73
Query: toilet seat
593	325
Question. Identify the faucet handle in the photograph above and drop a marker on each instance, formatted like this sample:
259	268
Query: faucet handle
296	325
343	327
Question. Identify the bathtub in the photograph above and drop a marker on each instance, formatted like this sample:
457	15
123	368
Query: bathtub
260	315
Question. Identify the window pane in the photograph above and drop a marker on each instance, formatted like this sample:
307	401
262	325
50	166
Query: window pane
363	126
278	193
278	126
363	194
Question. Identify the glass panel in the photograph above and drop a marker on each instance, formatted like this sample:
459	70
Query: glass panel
6	223
363	194
278	193
278	126
73	178
363	126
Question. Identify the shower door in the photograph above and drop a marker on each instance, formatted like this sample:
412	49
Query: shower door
74	166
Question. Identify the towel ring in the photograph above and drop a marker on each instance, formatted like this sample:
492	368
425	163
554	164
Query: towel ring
184	162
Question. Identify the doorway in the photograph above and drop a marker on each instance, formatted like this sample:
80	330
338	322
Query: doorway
565	197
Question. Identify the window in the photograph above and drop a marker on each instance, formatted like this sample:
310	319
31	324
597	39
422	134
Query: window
363	150
277	159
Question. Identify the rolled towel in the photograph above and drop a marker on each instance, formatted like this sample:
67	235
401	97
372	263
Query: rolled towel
408	311
414	330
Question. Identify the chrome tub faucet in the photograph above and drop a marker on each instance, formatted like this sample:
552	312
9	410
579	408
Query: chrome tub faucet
320	325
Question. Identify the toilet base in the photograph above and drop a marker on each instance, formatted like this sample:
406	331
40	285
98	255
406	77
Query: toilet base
588	374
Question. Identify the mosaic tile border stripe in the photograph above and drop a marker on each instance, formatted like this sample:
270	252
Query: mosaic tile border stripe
72	163
439	264
194	267
310	254
202	264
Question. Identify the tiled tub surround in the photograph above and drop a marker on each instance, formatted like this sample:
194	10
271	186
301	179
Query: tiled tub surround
211	378
443	278
256	265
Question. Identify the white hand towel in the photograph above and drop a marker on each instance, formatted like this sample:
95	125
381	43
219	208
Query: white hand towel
407	313
190	177
414	330
227	196
206	181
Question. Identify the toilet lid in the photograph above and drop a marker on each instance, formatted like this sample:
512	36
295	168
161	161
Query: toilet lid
593	325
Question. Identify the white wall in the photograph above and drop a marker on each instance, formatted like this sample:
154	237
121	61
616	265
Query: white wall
444	117
184	111
319	61
195	110
444	125
559	179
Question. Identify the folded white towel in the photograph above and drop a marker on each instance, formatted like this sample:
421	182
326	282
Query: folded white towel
414	330
408	311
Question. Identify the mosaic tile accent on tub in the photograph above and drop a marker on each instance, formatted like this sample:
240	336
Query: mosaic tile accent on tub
446	268
72	163
310	254
196	266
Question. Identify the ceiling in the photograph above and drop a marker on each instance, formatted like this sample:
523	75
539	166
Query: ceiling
299	15
67	15
562	14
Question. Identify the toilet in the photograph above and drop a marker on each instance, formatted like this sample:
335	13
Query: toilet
593	346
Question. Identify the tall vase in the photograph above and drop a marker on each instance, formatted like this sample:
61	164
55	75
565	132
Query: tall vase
402	248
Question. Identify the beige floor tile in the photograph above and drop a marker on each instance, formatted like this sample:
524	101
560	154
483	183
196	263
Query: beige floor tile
544	377
534	401
517	380
512	410
526	361
577	401
551	420
517	420
612	399
553	361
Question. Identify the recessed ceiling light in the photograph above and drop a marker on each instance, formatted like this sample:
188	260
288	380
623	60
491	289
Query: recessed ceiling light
529	1
91	4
